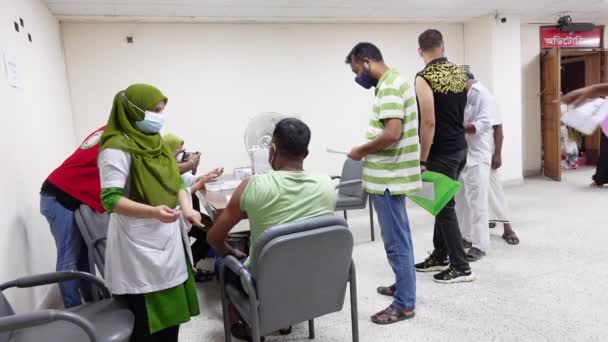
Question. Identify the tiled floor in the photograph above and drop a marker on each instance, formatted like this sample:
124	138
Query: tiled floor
549	288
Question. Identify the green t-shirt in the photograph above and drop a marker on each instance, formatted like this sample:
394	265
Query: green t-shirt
285	196
397	167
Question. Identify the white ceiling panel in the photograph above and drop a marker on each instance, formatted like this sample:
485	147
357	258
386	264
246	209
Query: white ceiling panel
348	10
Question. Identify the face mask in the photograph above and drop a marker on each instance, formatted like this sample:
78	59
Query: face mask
152	122
366	80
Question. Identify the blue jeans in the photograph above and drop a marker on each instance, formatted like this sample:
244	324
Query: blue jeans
71	249
399	248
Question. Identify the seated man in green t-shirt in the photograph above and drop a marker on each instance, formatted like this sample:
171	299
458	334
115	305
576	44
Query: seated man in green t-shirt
284	195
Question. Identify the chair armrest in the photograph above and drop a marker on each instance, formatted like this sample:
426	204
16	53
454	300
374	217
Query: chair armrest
28	320
56	277
335	177
349	183
238	268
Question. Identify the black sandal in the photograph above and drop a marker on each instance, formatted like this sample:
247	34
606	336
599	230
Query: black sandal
241	331
202	276
511	239
391	315
387	290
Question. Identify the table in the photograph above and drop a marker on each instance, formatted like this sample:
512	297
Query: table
215	202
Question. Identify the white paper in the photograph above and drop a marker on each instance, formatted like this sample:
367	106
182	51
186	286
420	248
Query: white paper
427	192
331	150
228	197
12	73
588	116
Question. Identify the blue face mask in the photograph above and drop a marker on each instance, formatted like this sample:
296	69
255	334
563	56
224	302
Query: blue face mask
152	122
366	80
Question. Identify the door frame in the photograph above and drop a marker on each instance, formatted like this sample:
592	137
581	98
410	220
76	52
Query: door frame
591	141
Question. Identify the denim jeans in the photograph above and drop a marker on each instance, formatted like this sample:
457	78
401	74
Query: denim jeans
447	238
397	238
71	249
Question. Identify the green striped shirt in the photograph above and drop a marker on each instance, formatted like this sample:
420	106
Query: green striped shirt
396	168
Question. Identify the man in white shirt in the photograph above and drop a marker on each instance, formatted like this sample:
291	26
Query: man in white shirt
497	201
472	201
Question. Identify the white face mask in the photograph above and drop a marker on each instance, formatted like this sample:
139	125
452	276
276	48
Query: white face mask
152	122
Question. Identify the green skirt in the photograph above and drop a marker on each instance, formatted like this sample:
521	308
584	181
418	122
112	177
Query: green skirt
174	306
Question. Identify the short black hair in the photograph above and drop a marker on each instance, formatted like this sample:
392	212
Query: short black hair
470	76
364	50
430	39
292	137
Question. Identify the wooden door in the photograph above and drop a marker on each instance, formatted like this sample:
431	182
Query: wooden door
593	75
550	112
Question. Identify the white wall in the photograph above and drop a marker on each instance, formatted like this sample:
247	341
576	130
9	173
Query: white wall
493	52
37	135
531	127
217	76
478	46
507	89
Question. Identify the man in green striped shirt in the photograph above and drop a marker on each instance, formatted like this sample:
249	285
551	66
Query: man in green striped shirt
391	169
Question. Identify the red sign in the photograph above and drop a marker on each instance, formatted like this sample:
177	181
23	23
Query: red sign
553	37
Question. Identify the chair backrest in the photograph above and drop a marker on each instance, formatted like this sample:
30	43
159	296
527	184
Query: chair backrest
5	310
352	170
94	226
300	270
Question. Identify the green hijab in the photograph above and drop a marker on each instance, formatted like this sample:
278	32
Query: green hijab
154	176
173	141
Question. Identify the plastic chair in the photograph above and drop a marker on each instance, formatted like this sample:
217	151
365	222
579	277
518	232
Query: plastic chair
106	320
351	195
299	272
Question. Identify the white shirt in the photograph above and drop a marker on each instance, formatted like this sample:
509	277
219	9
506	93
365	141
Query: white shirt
142	254
481	113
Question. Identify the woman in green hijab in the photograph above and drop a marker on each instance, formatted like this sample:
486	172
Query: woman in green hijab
148	263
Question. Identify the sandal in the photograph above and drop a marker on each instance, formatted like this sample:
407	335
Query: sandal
511	238
202	276
391	315
474	254
387	290
241	331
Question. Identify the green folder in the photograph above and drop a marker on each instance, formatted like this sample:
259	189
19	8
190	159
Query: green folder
437	191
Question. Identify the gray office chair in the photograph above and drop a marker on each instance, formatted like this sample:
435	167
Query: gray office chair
104	321
353	197
299	272
93	227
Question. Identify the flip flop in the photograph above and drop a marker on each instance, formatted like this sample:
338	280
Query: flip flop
202	276
511	239
387	290
391	315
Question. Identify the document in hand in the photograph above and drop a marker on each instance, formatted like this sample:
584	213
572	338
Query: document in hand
588	116
437	191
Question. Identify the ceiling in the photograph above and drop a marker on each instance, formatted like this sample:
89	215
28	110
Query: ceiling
330	10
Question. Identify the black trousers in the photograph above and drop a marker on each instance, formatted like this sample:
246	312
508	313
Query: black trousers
447	239
200	247
141	329
601	173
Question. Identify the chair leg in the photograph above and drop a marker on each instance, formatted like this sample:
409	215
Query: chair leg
225	308
371	217
353	302
311	329
345	216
